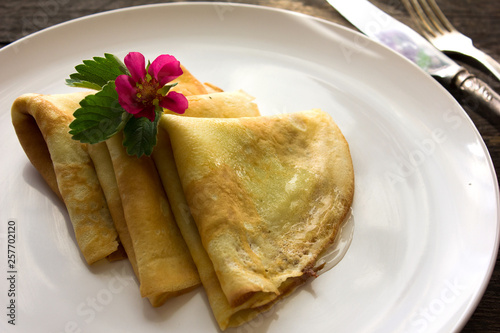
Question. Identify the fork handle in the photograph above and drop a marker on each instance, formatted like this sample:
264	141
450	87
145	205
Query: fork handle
478	94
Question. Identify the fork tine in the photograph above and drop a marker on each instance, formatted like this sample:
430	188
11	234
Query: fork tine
438	14
419	17
431	17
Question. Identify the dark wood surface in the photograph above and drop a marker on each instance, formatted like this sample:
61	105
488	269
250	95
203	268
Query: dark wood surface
479	19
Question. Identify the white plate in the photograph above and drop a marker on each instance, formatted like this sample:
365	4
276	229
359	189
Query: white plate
426	202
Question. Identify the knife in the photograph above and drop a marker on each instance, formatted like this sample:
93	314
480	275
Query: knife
383	28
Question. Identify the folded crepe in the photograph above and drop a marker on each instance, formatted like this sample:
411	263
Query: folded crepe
227	105
221	105
188	84
41	124
164	265
241	104
141	213
106	174
264	197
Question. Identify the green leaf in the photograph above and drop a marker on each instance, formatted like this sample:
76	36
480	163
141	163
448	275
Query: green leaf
99	117
96	73
166	88
140	134
82	84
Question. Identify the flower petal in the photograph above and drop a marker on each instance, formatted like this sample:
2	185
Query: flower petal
125	87
136	64
175	102
165	68
148	112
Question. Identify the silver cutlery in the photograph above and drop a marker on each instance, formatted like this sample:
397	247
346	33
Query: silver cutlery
381	27
434	25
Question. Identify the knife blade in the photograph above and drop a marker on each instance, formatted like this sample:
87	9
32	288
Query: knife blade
388	31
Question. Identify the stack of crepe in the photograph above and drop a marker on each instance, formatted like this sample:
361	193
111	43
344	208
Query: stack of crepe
243	203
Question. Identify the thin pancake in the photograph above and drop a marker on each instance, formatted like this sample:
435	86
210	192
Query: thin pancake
41	123
164	264
104	168
226	104
150	264
187	84
268	195
221	105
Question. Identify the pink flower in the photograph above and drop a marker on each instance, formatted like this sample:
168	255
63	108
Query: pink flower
141	92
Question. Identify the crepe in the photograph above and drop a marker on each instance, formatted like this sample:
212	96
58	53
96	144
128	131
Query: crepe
41	124
225	104
105	173
221	105
164	265
187	84
267	195
141	212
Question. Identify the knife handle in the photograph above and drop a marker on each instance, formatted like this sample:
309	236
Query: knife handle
478	94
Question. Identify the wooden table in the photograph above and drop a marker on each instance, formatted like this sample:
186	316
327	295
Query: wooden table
479	19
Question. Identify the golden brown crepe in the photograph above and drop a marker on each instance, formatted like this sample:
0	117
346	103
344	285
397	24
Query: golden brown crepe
226	104
104	168
221	105
267	195
187	84
142	214
164	264
41	123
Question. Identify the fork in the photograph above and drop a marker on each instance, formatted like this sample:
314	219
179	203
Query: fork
440	32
